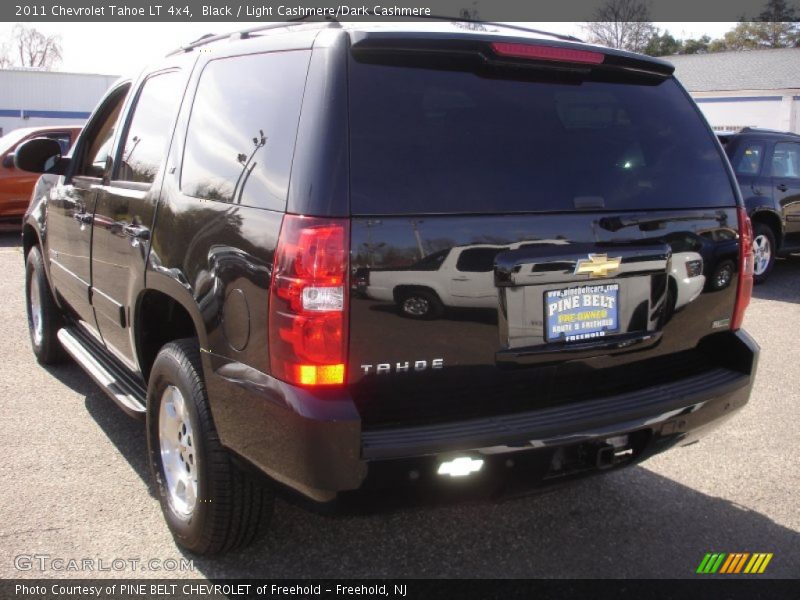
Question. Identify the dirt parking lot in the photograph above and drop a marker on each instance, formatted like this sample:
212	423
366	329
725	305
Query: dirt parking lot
74	483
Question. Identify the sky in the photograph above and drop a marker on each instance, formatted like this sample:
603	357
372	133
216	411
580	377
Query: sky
87	46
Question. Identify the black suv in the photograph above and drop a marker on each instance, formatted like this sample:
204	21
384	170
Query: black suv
767	166
198	251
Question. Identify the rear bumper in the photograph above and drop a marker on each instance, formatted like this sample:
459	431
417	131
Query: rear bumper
315	443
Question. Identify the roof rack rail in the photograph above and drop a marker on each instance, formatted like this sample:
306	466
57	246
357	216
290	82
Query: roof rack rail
560	36
245	33
767	130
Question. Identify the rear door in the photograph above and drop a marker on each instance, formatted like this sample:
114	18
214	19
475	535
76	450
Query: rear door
125	207
576	178
786	187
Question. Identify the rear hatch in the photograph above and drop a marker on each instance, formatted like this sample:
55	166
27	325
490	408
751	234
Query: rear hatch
531	225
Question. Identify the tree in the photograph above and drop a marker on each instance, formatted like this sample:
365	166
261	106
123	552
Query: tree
5	57
778	11
623	24
662	44
696	46
753	35
32	48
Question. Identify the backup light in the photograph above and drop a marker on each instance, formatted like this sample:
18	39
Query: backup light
461	466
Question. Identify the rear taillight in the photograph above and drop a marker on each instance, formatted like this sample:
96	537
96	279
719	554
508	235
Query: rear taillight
308	301
744	288
553	53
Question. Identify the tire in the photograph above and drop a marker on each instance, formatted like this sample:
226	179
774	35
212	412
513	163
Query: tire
722	276
44	317
764	250
215	506
420	304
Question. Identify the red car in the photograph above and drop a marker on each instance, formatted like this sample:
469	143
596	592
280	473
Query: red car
16	185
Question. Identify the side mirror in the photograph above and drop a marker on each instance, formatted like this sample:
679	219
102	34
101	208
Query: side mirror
8	160
41	155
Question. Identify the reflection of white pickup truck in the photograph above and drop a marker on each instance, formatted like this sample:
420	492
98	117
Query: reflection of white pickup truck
464	277
457	277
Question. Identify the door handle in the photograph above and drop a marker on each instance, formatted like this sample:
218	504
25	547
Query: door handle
83	218
460	278
782	187
136	232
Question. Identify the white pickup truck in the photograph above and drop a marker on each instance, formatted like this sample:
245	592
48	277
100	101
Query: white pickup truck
462	277
457	277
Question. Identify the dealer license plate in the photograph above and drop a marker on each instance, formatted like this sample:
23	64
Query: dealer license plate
581	313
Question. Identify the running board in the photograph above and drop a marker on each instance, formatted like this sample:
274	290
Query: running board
121	387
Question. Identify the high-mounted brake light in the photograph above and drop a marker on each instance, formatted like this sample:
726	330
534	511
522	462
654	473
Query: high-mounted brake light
744	288
553	53
308	301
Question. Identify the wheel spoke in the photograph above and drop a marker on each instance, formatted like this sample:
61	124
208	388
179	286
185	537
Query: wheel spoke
178	457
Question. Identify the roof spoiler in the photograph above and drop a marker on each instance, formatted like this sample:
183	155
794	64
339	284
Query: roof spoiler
505	50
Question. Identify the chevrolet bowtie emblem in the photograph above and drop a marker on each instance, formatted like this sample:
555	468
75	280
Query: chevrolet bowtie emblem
597	265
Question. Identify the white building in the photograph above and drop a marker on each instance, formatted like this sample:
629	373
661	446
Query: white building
33	98
756	88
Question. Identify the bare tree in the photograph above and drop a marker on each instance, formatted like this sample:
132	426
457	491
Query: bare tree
5	57
623	24
32	48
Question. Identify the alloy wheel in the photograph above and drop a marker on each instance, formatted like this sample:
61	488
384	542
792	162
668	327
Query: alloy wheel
178	452
762	250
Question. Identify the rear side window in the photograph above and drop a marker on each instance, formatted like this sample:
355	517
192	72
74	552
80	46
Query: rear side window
437	141
477	260
243	128
149	130
750	158
786	160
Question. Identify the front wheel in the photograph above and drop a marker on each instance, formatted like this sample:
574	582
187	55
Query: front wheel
44	316
722	276
763	252
209	503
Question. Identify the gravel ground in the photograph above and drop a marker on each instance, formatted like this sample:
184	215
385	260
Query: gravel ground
74	483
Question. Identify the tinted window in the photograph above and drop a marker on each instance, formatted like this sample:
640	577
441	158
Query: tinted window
99	136
786	160
427	141
243	128
749	161
149	130
477	260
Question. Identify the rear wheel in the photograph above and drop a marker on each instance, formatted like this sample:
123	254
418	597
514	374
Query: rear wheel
763	252
44	317
209	503
420	304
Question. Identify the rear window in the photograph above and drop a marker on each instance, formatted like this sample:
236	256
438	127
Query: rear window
435	141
